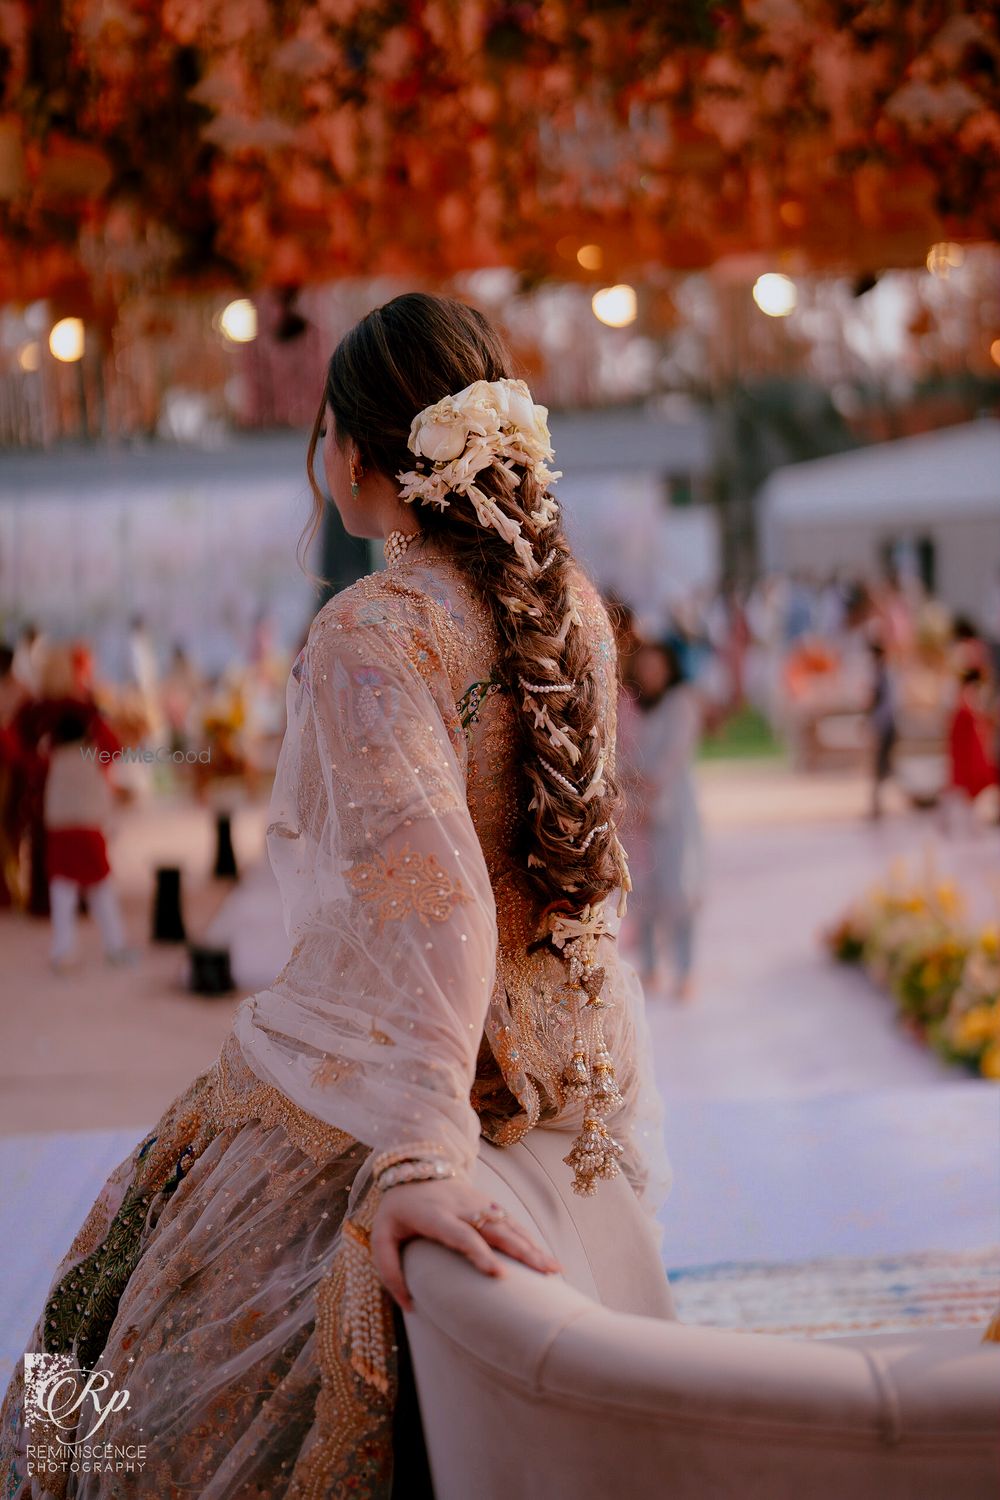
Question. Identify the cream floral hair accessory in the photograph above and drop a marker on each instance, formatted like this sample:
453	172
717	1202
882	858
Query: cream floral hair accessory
490	422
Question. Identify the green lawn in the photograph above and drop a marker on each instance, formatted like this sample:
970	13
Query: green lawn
745	735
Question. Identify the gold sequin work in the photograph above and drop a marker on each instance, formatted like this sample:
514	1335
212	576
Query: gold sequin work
240	1096
407	882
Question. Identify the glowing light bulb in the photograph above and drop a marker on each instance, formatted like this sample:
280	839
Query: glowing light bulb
995	351
29	356
238	321
943	258
590	257
616	306
66	340
775	294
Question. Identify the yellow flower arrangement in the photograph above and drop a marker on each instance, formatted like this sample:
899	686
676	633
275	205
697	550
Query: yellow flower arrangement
911	939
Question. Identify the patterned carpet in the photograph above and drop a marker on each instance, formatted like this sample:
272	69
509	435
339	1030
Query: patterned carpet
847	1295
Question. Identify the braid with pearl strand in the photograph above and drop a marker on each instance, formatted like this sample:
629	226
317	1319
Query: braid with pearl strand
568	845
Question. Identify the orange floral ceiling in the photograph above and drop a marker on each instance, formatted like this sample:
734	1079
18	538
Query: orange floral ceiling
161	144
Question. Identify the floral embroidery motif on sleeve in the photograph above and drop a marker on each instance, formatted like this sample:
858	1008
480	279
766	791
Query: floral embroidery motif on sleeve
408	881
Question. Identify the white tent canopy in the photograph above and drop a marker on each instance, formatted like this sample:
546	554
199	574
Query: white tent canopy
940	489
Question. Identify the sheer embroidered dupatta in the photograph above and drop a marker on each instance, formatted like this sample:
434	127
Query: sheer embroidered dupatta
374	1024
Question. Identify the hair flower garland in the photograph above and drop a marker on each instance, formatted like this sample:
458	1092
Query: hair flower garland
490	422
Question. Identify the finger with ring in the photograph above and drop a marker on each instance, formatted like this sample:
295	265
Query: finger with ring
489	1215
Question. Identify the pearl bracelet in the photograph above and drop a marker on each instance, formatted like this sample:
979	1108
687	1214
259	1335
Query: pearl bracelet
413	1171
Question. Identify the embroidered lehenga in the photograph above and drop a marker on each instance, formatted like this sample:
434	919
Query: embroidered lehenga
223	1274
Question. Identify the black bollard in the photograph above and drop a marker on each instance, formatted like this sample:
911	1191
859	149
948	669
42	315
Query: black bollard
168	920
211	970
225	855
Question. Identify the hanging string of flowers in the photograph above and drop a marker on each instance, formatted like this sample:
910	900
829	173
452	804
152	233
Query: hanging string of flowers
287	144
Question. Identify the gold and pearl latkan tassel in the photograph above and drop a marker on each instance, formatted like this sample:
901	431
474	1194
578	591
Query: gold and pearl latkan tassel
595	1155
605	1095
590	1074
576	1078
367	1313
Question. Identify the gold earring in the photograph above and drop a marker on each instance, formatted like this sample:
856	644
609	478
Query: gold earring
355	479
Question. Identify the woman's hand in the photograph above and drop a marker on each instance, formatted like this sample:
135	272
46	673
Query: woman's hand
446	1211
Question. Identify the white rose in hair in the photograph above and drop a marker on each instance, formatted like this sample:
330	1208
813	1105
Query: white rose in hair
520	407
476	394
440	441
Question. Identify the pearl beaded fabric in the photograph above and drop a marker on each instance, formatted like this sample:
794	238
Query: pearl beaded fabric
396	544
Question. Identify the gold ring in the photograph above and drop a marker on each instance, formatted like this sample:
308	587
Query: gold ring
489	1215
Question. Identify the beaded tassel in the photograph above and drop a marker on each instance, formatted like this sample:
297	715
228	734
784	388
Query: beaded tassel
594	1155
368	1330
605	1096
576	1078
590	1074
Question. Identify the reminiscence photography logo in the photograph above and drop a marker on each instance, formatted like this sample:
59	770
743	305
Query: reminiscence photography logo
70	1406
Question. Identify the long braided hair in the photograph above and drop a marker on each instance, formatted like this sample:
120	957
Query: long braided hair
397	360
404	357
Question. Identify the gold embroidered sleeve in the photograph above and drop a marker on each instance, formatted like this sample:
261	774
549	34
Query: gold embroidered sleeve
397	884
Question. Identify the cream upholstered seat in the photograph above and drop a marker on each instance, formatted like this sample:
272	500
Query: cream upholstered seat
530	1387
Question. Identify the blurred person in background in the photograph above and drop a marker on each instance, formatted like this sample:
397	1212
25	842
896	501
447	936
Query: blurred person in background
13	696
626	632
666	843
28	656
181	692
831	606
64	680
144	674
689	638
13	693
971	736
799	612
77	806
882	717
993	637
729	634
895	604
766	650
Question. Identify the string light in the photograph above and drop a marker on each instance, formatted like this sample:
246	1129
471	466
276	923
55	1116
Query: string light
590	257
943	258
29	356
238	321
66	340
995	351
616	306
775	294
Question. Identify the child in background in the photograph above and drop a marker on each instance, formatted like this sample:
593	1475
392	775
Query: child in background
658	738
77	805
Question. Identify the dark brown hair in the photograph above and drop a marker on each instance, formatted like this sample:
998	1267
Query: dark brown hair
400	358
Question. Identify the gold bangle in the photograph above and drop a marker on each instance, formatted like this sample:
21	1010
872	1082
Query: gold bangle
413	1171
412	1151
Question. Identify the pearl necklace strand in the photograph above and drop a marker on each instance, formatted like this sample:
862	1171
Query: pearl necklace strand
396	544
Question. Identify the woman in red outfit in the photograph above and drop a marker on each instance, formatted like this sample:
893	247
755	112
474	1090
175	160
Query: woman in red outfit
969	738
